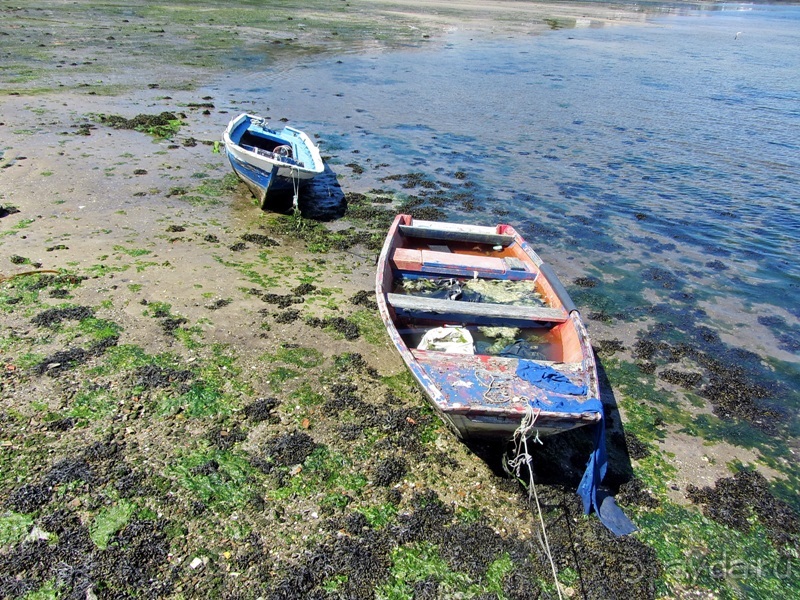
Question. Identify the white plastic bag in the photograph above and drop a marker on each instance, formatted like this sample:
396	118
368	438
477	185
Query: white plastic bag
455	340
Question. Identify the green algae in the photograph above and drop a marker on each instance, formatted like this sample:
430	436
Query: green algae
200	400
301	357
98	329
379	515
16	228
91	404
162	126
306	395
649	411
14	527
224	480
416	563
157	309
134	252
323	470
198	36
24	292
216	188
49	590
101	270
277	378
422	562
699	554
109	521
370	326
248	269
651	414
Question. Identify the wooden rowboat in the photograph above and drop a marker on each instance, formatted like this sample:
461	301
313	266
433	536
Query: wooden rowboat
442	290
274	164
479	385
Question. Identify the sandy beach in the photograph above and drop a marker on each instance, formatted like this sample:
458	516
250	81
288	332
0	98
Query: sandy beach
198	398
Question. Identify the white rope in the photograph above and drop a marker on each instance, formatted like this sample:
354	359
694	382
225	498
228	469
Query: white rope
295	174
501	393
523	457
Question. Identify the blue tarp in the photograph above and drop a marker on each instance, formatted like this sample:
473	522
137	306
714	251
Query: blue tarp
603	503
548	378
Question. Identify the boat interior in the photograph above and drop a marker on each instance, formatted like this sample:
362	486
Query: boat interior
549	330
255	141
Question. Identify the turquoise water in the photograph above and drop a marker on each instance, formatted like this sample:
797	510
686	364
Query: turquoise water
662	158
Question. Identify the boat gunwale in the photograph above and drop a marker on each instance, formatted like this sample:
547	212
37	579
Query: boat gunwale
318	165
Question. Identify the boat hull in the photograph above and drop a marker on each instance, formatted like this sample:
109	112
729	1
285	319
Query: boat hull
483	395
274	164
270	191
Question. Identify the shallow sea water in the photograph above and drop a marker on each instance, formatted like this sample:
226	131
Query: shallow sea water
663	156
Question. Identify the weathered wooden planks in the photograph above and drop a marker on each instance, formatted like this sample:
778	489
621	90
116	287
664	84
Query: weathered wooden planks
438	306
456	235
452	264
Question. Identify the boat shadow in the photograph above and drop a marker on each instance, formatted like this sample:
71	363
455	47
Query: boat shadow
560	460
323	199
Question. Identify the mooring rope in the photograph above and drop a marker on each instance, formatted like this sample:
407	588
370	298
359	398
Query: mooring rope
295	174
522	456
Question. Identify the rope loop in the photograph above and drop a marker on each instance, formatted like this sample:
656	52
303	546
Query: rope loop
524	432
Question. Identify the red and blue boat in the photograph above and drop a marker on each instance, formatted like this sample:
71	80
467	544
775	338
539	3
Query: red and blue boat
486	328
490	333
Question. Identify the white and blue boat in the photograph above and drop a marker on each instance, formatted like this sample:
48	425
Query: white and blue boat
275	164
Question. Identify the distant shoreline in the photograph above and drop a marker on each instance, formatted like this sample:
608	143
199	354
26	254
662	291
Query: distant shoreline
111	49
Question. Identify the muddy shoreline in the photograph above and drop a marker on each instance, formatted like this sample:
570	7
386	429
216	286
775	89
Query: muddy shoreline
198	399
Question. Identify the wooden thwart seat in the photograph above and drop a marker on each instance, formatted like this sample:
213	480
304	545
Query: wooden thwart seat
436	306
449	263
465	234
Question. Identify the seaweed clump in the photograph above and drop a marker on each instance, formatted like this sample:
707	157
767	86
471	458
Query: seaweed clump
304	289
733	500
681	378
260	240
348	329
389	471
609	566
225	438
287	316
30	497
633	493
63	360
134	559
287	450
54	316
729	378
262	409
364	298
163	125
152	376
353	361
170	324
586	282
280	300
609	347
345	396
637	449
8	210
